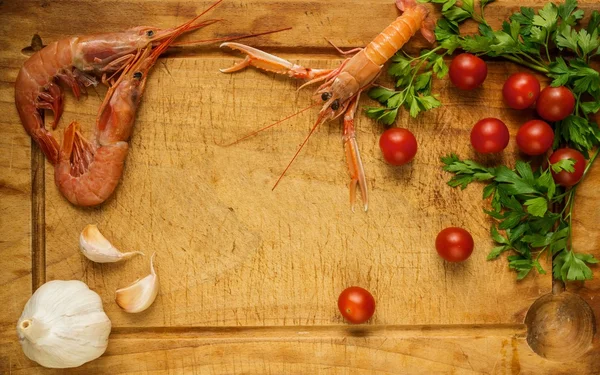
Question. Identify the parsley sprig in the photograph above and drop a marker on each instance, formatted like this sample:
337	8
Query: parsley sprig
525	224
526	38
414	75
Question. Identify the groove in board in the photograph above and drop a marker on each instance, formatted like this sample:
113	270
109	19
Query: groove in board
38	216
318	332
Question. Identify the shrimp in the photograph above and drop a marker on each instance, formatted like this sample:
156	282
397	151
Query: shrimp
76	62
342	87
87	172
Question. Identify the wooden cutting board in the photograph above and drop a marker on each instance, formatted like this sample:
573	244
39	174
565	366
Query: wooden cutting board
249	276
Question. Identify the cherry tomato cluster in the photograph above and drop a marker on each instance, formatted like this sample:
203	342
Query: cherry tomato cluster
490	135
520	91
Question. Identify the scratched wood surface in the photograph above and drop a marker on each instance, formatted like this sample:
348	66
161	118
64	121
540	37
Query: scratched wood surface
250	276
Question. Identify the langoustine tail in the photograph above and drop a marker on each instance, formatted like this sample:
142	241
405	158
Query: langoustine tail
428	24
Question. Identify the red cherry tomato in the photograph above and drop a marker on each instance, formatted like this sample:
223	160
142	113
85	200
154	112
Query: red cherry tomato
398	146
521	90
454	244
467	71
489	135
356	304
555	103
565	178
535	137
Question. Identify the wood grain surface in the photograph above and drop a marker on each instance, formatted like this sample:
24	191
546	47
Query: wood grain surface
249	276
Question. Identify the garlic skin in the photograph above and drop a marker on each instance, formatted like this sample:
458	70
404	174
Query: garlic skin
98	249
138	296
63	325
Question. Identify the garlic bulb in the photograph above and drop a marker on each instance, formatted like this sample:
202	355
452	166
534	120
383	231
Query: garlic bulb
139	296
63	325
97	248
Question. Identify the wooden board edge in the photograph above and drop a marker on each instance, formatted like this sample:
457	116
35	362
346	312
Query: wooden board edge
493	349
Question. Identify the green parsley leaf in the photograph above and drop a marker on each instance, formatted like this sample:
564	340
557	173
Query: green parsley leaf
569	266
590	107
449	4
537	206
496	251
515	184
594	22
469	6
423	82
466	171
414	108
381	94
578	74
456	14
476	43
588	42
545	184
578	132
503	44
547	17
560	72
568	38
538	35
568	13
538	240
567	165
489	190
521	264
496	236
428	102
525	19
439	67
539	267
445	29
384	115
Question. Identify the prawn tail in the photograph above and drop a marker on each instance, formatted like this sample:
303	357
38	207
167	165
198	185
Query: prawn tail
48	144
34	126
87	175
52	100
428	24
76	150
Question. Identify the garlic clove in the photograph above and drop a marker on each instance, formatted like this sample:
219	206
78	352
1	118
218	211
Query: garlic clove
97	248
139	296
63	325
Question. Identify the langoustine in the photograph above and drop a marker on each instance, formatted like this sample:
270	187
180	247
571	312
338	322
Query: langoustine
343	85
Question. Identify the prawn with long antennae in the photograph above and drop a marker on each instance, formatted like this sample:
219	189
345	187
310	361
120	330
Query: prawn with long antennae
87	172
342	86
